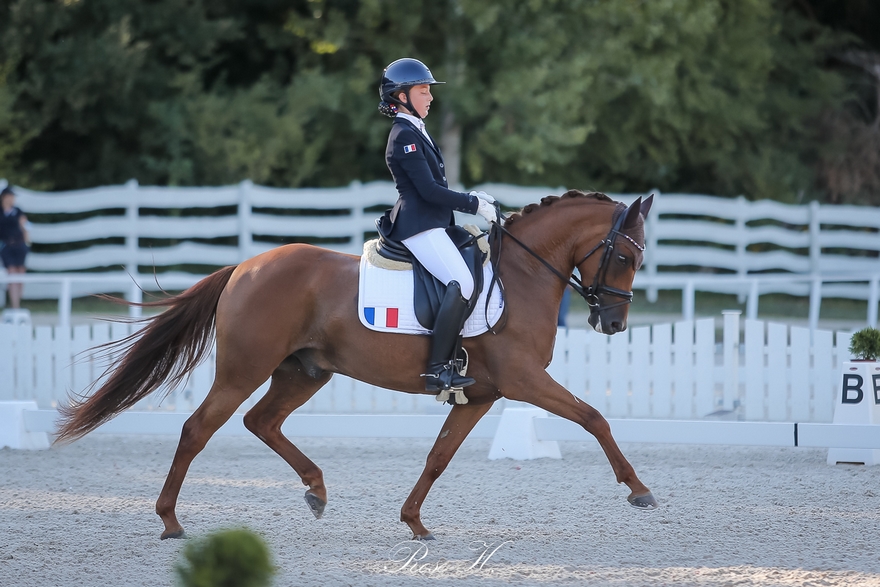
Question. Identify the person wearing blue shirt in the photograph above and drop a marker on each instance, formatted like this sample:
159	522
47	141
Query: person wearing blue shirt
14	241
425	208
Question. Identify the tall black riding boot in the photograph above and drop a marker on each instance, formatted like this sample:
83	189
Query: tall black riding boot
442	373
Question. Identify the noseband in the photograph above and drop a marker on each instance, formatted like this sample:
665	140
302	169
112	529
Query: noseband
598	287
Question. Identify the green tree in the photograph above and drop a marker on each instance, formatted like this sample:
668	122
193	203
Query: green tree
90	80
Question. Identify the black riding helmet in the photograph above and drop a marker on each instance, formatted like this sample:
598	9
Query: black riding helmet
402	75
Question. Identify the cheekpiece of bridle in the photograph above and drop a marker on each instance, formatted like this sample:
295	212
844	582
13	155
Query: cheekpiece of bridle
598	288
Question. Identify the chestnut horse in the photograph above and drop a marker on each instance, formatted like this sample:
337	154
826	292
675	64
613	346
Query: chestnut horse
291	314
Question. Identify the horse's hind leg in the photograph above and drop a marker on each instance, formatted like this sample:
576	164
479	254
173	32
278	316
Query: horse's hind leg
461	420
217	408
291	387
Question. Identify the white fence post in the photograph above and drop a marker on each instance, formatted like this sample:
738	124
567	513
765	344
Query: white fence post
357	221
815	302
65	304
245	234
815	264
132	212
815	237
136	296
730	355
752	304
873	294
741	239
649	265
688	301
131	217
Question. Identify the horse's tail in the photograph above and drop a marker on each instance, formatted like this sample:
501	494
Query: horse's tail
171	345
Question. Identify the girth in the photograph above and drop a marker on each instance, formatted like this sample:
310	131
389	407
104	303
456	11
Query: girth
428	291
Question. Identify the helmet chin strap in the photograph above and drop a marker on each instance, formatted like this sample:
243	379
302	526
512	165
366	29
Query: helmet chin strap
408	105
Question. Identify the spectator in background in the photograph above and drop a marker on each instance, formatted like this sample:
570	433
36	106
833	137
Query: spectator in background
563	308
14	241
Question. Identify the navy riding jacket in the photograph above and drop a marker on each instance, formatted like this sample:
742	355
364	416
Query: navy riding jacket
425	200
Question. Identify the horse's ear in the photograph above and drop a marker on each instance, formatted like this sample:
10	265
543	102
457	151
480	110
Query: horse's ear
632	213
646	205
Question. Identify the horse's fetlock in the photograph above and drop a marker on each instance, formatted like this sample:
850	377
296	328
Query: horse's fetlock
408	517
163	508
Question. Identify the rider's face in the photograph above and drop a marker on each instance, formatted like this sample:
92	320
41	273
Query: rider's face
421	99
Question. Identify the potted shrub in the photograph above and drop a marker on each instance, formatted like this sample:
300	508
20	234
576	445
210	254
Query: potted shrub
228	558
865	344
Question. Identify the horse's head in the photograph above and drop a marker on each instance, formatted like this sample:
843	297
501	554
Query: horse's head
620	255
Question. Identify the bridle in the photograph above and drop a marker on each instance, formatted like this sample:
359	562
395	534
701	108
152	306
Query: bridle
598	288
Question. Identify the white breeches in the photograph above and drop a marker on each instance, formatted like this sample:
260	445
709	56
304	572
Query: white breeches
435	250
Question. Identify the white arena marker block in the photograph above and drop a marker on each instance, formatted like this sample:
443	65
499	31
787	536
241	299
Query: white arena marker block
516	439
857	402
13	432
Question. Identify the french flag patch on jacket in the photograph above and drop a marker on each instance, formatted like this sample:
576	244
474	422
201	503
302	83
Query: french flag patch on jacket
409	148
382	317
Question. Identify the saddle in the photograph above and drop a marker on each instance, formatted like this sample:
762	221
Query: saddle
428	291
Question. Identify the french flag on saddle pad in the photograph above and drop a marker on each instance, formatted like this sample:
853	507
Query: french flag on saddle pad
409	148
381	317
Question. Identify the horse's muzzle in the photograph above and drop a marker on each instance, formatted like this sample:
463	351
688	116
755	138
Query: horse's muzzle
608	325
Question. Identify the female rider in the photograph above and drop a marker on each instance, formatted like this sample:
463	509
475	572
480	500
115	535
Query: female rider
424	210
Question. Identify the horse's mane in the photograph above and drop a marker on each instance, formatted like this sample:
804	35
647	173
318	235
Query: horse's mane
550	200
638	233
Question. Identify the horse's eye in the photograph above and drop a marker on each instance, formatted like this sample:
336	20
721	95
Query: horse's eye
621	259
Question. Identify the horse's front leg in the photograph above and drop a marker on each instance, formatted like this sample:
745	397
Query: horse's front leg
459	423
539	389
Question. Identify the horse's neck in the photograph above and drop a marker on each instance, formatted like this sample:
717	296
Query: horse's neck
557	234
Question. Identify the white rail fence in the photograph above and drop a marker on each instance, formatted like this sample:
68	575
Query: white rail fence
682	371
695	243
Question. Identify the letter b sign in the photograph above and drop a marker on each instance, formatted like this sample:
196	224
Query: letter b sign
852	389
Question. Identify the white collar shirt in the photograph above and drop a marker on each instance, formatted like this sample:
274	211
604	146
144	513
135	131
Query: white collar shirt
418	123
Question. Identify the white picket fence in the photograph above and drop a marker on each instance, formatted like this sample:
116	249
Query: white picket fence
764	372
695	243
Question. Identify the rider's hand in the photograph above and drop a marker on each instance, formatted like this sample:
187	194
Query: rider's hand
487	211
484	196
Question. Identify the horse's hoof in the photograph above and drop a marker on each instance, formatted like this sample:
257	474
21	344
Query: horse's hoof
643	502
175	534
316	504
421	537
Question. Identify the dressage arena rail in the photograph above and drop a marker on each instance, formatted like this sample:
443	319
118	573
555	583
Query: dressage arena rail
755	371
695	243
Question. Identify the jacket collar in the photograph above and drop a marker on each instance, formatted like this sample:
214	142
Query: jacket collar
431	143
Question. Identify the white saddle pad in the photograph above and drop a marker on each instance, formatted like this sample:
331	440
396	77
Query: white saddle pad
385	302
